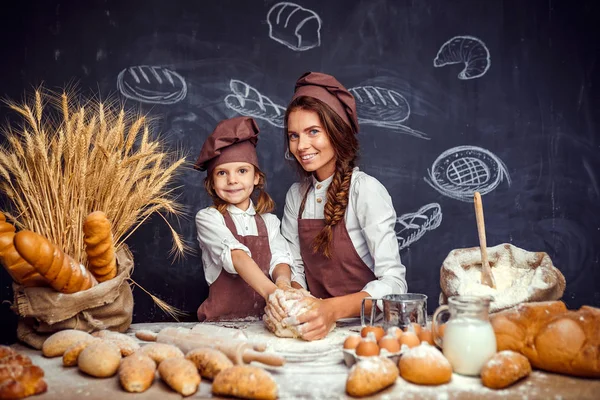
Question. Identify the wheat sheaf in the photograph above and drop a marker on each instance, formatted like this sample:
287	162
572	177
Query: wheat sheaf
71	156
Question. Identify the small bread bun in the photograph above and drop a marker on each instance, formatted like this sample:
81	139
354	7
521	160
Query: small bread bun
504	369
425	365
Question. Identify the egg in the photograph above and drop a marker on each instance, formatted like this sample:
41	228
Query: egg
390	343
426	336
409	339
377	331
352	341
414	328
367	348
395	332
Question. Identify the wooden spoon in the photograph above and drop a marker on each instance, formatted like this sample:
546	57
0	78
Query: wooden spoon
486	272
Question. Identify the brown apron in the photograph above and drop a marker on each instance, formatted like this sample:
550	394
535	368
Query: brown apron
230	297
344	273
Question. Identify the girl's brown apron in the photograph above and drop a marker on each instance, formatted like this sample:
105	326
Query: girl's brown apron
344	273
230	297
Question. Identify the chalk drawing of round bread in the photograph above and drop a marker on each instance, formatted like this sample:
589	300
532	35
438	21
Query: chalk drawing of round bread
380	106
468	50
248	101
294	26
151	84
461	171
414	225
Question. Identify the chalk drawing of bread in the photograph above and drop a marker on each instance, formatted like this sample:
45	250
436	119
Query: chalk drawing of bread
294	26
461	171
248	101
380	106
414	225
468	50
152	84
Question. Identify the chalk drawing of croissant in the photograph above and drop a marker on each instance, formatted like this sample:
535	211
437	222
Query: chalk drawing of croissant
415	225
151	84
461	171
384	108
294	26
468	50
248	101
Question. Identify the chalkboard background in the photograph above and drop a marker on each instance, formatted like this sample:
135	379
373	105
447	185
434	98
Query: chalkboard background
529	117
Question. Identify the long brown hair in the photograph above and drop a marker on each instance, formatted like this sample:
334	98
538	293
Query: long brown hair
263	203
345	147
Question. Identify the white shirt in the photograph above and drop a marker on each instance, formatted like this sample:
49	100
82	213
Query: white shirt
370	220
216	240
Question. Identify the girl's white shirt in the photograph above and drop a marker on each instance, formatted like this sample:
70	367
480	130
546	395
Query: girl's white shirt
370	220
216	240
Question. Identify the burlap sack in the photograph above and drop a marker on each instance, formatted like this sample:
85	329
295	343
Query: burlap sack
108	305
521	276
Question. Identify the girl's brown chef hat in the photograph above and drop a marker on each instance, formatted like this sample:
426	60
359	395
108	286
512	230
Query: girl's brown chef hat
233	140
327	89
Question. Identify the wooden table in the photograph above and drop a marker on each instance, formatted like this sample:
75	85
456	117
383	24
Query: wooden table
314	370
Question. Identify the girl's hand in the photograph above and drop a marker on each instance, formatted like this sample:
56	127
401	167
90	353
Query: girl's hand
317	321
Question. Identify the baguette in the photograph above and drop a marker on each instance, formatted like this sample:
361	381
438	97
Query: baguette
64	274
551	337
99	246
20	270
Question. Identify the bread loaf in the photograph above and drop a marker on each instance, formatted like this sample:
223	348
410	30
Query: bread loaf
100	359
210	362
18	377
64	274
552	337
504	369
136	373
71	354
246	382
126	344
180	374
20	270
99	246
425	365
371	375
160	351
57	343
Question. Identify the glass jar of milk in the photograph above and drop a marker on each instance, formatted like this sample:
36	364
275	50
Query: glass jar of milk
467	339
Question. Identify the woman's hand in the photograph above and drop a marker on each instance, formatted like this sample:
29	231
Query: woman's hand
317	321
277	301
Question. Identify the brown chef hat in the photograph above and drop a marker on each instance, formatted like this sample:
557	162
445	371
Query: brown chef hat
233	140
327	89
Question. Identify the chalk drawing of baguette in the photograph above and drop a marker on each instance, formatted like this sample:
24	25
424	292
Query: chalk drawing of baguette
151	84
415	225
248	101
295	27
468	50
384	108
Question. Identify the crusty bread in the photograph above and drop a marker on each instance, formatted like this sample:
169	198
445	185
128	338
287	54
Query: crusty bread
20	270
136	373
425	365
126	344
246	382
180	374
210	362
64	274
18	377
57	343
71	354
160	351
552	337
371	375
504	368
100	359
99	246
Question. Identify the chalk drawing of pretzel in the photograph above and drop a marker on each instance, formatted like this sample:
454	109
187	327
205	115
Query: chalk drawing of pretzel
248	101
415	225
468	50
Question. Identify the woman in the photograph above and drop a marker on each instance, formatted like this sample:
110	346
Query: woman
338	221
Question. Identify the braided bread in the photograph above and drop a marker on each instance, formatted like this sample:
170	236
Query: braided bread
99	246
20	270
64	274
18	377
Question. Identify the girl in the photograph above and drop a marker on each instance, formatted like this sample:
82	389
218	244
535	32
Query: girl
241	243
338	221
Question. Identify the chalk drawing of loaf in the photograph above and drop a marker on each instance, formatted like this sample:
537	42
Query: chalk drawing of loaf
414	225
468	50
248	101
294	26
384	108
151	84
461	171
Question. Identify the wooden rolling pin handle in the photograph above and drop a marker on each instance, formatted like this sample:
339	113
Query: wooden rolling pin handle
265	358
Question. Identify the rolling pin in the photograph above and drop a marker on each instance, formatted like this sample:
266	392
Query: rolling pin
239	352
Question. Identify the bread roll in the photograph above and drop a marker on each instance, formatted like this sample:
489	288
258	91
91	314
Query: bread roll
100	359
126	344
425	365
56	344
72	353
64	274
371	375
19	381
245	381
210	362
552	337
160	351
20	270
504	369
99	246
180	374
136	373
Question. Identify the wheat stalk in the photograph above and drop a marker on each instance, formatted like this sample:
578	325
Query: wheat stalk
68	159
